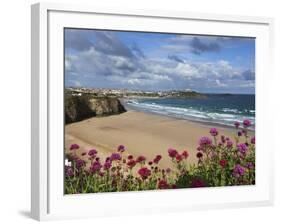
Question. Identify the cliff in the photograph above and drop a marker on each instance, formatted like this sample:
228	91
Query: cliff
78	108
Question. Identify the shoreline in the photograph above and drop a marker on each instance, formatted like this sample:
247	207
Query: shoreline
207	123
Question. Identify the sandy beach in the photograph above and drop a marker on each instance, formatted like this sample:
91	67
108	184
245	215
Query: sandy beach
142	134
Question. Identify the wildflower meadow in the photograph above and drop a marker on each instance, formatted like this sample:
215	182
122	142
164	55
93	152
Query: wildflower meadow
221	161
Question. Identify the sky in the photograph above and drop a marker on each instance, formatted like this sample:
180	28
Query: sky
159	61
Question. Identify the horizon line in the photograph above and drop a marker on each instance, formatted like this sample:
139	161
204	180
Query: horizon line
76	87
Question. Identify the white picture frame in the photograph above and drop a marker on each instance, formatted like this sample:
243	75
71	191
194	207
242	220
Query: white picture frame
48	201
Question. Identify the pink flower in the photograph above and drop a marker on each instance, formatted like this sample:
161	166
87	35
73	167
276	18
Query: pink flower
185	154
197	182
130	157
214	132
101	174
250	165
205	141
131	163
144	172
238	171
178	158
236	124
242	148
121	148
107	165
95	167
223	163
229	144
115	156
79	163
162	184
172	152
157	159
74	147
69	171
92	152
253	140
246	123
140	159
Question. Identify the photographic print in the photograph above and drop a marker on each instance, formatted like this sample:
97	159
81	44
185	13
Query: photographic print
153	111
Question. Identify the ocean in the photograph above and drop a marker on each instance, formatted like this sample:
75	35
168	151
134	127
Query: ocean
222	109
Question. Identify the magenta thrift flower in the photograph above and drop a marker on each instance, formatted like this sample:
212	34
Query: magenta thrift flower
101	174
79	163
74	147
214	132
185	154
197	182
115	156
239	133
223	163
172	152
238	171
144	172
130	157
250	165
253	140
69	171
229	144
242	148
247	123
131	163
107	165
157	159
162	184
92	152
236	124
95	167
205	141
121	148
178	157
140	159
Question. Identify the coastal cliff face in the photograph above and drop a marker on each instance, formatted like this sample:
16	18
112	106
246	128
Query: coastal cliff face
106	106
78	108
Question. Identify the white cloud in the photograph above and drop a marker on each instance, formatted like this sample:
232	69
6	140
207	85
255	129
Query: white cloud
120	69
220	84
100	68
